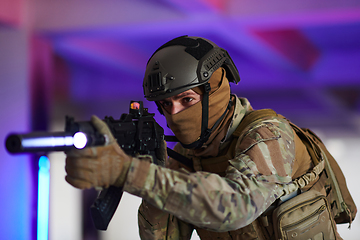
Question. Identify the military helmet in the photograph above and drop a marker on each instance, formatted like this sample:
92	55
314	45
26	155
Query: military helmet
184	63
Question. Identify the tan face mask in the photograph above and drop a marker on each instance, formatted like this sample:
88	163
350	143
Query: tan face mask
186	125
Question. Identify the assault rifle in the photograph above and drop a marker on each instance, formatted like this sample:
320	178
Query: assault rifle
136	133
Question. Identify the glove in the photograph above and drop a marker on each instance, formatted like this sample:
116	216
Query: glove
100	166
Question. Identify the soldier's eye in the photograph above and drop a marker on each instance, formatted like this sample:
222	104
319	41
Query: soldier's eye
165	103
187	99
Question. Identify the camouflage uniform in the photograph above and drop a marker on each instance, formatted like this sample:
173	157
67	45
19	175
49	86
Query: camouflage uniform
225	196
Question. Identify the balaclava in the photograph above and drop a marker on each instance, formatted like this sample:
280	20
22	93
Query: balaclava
186	125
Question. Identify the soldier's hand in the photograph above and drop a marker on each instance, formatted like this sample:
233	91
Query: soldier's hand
100	166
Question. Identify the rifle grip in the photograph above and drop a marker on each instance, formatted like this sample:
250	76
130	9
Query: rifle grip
104	207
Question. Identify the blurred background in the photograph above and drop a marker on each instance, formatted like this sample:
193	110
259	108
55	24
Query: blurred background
85	57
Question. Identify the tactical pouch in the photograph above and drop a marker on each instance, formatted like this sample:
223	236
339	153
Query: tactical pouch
306	216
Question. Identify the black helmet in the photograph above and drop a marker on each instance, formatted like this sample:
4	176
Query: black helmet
184	63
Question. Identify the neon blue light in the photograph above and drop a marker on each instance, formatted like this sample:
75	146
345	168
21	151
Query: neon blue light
43	199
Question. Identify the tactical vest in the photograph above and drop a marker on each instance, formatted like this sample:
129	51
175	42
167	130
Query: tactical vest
326	177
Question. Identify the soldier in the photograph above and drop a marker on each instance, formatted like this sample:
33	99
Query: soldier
238	175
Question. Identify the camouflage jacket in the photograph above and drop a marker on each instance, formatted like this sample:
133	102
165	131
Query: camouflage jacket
175	200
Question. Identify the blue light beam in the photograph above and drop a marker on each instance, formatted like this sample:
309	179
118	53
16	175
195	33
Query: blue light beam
43	199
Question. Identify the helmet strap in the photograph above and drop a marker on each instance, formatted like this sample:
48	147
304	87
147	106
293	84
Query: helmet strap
205	131
159	107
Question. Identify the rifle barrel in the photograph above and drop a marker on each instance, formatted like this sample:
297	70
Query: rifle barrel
39	142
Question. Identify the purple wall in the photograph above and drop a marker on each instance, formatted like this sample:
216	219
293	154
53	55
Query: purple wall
16	179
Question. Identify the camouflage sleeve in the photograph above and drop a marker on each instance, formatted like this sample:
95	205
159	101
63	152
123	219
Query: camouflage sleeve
157	224
254	180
